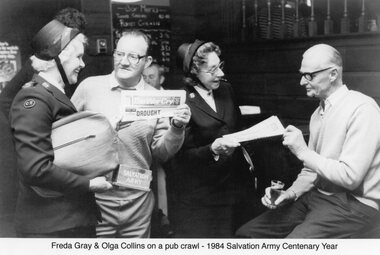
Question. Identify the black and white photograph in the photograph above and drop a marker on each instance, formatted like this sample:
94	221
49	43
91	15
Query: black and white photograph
189	127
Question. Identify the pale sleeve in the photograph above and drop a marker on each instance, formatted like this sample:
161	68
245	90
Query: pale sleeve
360	147
167	140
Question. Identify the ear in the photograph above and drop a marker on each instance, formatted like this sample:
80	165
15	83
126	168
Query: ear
162	79
148	61
334	75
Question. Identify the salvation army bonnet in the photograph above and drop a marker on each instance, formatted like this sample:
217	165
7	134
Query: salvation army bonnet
49	42
185	54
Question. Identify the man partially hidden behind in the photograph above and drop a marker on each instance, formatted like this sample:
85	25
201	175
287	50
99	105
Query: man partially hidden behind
154	75
58	52
337	192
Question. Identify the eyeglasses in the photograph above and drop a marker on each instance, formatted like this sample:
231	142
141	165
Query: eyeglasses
310	76
214	70
133	58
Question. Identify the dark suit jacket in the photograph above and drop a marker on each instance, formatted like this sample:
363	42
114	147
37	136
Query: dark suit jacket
33	111
195	178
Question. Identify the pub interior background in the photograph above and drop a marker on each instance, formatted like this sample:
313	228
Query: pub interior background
262	56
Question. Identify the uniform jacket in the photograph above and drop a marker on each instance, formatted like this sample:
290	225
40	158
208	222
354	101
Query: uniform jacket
33	112
195	177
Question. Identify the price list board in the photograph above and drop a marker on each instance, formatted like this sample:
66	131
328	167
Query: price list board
152	20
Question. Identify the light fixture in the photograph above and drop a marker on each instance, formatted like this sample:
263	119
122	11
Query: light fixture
125	1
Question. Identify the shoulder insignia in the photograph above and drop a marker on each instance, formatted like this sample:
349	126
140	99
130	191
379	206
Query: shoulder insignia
46	85
29	103
29	84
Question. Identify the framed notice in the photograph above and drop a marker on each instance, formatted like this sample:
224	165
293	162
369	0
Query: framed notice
10	62
153	20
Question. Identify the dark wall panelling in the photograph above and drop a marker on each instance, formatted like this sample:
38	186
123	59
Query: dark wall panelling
284	84
367	83
98	16
362	58
266	73
246	84
21	19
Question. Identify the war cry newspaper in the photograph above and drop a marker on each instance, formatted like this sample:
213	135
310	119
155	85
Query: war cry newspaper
150	104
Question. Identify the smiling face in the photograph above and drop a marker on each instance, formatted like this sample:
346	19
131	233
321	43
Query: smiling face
72	60
209	72
129	74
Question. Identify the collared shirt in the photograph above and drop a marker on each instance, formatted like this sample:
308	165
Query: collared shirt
332	100
207	95
139	142
52	81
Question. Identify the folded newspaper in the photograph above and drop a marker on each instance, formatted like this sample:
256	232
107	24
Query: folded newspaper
150	104
266	128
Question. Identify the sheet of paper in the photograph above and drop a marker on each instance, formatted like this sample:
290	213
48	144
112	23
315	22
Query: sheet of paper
150	104
267	128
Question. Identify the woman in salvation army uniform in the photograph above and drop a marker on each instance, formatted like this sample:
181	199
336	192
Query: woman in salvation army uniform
208	177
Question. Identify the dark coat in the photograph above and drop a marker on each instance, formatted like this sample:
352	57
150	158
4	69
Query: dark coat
194	178
33	112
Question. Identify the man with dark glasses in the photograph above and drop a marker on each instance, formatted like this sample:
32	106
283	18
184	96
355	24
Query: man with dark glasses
337	193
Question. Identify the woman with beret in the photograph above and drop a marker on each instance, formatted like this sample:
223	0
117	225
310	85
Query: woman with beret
207	176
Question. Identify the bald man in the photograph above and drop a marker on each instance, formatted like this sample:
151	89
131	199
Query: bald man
337	193
154	75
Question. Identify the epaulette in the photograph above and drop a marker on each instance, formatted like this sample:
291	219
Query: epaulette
29	84
46	85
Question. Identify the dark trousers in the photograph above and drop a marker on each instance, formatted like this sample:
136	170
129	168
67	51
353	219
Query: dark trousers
212	221
79	232
313	215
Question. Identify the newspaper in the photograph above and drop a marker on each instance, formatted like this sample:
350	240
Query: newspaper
267	128
150	104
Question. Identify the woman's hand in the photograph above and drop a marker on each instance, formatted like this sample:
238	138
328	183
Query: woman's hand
224	146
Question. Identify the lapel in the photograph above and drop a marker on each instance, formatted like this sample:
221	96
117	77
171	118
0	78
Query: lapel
54	91
195	99
219	101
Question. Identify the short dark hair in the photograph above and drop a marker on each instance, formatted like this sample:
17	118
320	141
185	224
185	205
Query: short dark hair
73	18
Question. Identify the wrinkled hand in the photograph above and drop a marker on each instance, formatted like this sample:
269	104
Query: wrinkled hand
182	115
293	139
224	146
99	184
283	198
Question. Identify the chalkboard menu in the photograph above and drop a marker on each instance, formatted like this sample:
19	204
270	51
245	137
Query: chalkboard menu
152	20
